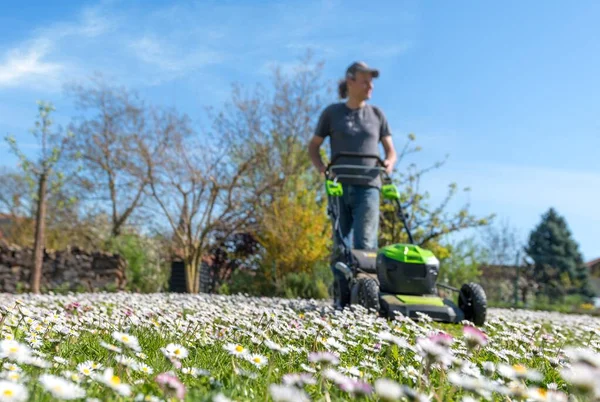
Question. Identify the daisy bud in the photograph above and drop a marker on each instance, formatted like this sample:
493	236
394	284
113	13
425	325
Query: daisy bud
474	336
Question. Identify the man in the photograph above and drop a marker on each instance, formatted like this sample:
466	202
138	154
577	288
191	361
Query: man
355	126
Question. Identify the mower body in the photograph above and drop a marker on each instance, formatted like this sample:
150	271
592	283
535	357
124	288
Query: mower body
407	269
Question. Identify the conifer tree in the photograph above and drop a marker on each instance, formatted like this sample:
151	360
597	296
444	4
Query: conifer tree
558	265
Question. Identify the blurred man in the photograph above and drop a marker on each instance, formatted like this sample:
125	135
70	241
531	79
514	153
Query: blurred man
355	126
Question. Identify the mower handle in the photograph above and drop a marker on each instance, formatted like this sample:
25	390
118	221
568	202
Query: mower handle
379	161
355	155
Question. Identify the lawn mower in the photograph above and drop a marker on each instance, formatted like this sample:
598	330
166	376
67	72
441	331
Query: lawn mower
395	278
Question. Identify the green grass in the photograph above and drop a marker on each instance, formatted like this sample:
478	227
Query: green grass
367	349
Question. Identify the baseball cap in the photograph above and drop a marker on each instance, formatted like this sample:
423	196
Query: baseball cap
361	66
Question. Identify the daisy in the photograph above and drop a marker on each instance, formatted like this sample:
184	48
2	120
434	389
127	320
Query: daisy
61	388
13	350
323	357
11	367
274	346
287	393
258	360
85	369
582	377
111	347
174	350
128	340
113	381
221	398
60	360
144	368
170	382
13	391
12	375
127	361
299	379
72	376
235	349
474	337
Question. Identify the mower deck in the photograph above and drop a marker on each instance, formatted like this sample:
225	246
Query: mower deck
433	306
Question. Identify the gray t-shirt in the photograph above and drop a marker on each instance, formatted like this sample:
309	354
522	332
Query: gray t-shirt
354	130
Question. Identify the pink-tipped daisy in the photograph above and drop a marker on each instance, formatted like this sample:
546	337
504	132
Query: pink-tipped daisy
474	336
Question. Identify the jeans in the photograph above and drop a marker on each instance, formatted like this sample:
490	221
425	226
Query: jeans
358	220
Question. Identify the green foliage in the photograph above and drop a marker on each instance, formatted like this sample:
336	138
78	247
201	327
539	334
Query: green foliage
147	271
463	263
303	284
308	285
558	265
295	232
52	147
250	282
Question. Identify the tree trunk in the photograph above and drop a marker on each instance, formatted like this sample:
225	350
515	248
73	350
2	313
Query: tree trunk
191	275
38	248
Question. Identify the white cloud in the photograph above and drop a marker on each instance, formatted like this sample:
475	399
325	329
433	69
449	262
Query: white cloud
170	58
24	66
36	64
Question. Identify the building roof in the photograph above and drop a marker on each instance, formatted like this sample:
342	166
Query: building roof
593	262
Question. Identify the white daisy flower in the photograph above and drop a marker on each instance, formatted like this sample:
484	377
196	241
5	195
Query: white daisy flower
111	347
174	350
287	393
13	391
144	368
113	381
14	350
257	360
85	369
61	388
235	349
128	340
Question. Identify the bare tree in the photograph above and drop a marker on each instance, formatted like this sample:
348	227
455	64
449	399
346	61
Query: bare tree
198	187
105	138
47	179
503	243
278	122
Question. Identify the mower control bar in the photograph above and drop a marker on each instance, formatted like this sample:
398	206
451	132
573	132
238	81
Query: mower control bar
355	155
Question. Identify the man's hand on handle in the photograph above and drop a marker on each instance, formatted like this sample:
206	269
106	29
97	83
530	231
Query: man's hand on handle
389	166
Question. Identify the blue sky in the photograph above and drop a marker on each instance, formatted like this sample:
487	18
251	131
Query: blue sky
508	89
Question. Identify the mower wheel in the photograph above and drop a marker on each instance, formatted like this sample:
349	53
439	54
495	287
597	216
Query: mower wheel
366	293
473	302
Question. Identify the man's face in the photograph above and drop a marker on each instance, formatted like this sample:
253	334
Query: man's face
362	86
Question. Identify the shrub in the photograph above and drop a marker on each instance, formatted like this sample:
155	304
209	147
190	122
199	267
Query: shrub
147	270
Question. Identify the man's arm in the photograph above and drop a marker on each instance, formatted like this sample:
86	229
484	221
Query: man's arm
385	136
315	154
321	132
390	153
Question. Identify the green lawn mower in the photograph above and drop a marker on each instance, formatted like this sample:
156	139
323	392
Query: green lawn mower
396	278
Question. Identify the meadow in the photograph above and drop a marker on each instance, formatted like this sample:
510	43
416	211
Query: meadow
153	347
